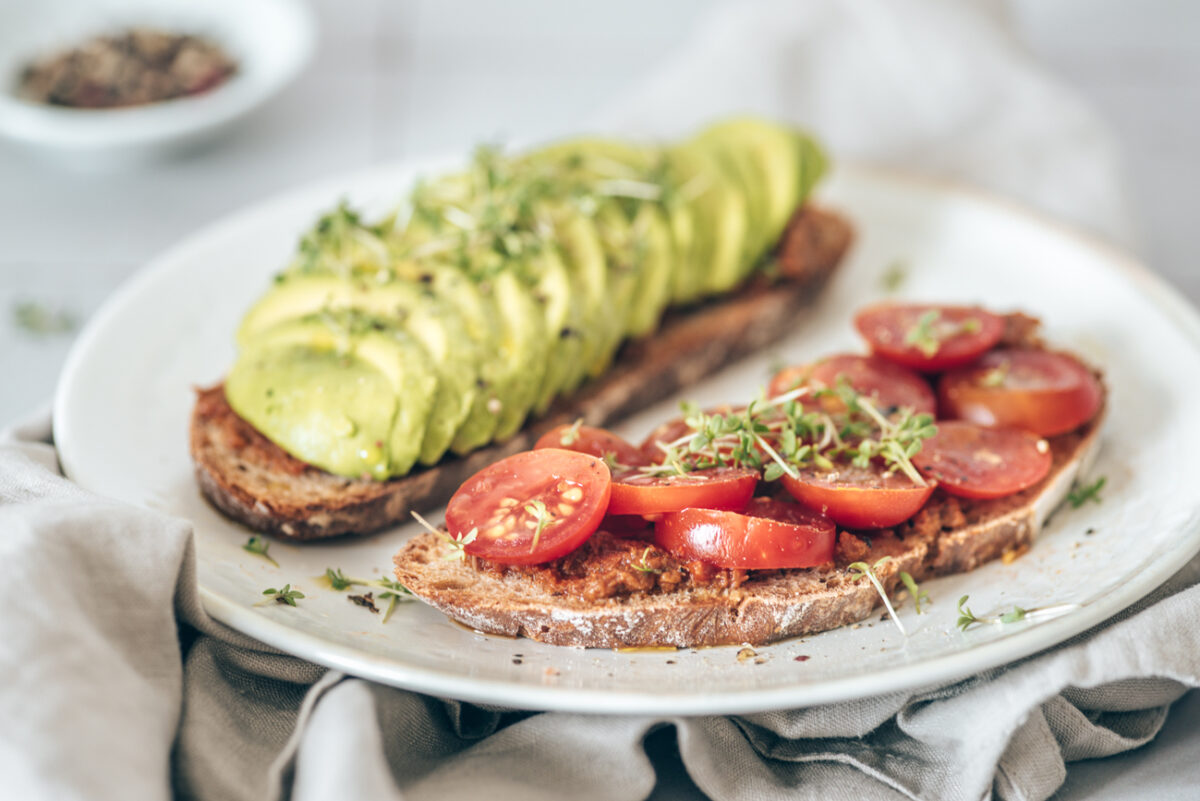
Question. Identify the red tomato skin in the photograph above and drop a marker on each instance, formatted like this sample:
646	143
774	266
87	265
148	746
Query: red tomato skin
769	534
860	507
524	477
955	458
637	494
1044	392
890	384
597	442
885	326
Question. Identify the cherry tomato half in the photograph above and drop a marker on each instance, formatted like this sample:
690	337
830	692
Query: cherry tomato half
976	462
887	384
767	534
858	497
532	507
1041	391
594	441
715	488
929	338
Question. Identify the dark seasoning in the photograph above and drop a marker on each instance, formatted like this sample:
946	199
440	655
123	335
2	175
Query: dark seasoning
134	67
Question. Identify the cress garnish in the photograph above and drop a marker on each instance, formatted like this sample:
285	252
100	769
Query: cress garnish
284	595
781	434
394	593
458	543
930	331
259	546
339	581
1081	494
643	566
967	618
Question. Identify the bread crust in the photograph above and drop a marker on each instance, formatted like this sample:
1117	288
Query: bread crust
778	605
253	481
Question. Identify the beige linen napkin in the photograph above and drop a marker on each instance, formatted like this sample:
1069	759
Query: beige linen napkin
100	699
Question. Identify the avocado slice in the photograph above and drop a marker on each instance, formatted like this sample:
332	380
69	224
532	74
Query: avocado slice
620	185
641	257
597	324
787	166
734	157
625	262
553	290
353	402
482	320
524	345
713	262
432	321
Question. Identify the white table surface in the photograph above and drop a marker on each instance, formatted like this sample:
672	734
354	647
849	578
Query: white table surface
407	79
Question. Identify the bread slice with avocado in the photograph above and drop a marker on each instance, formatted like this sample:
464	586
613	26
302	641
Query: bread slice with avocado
253	480
389	357
626	593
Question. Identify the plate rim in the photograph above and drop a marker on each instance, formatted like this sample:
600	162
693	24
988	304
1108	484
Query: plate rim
1017	645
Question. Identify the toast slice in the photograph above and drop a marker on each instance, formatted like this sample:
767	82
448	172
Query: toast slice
253	481
597	598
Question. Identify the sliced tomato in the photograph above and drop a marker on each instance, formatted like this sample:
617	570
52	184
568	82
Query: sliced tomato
887	384
767	534
929	338
1044	392
594	441
859	497
501	504
674	430
976	462
636	493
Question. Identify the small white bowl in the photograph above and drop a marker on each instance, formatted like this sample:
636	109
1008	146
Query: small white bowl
270	40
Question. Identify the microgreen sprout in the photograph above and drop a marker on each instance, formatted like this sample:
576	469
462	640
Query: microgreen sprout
1079	495
930	331
967	618
259	546
781	435
914	590
995	376
458	543
894	276
863	570
922	334
40	320
339	581
283	595
537	509
643	566
394	593
570	434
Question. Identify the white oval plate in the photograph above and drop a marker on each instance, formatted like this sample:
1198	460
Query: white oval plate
121	420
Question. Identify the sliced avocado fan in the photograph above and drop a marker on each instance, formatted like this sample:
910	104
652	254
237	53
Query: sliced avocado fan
497	289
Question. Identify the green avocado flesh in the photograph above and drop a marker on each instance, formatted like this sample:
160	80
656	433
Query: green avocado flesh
386	344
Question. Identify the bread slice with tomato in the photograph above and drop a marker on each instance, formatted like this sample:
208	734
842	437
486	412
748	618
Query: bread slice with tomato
777	568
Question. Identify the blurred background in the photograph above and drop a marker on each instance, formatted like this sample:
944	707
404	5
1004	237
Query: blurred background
403	80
